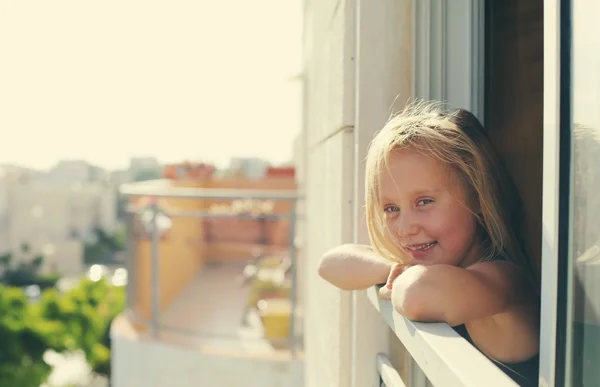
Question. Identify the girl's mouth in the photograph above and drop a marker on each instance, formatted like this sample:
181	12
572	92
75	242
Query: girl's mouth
423	247
421	251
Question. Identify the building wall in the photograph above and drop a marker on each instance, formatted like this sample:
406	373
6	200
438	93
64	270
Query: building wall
329	48
358	71
181	252
236	238
43	212
138	363
53	218
64	257
250	168
69	171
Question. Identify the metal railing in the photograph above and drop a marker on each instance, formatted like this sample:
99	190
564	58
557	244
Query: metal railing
145	190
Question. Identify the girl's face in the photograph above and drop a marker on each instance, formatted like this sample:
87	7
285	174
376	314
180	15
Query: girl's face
427	211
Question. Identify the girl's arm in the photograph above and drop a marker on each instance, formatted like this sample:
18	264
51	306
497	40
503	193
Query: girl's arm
455	295
354	267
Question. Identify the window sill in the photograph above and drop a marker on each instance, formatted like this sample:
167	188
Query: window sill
444	356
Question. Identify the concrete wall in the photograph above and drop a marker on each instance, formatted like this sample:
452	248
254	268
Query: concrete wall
358	65
329	48
152	364
181	255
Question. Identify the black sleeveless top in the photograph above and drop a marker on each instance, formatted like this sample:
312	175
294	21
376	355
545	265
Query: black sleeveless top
525	374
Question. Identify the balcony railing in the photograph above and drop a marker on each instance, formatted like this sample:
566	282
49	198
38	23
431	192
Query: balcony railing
443	357
388	376
150	224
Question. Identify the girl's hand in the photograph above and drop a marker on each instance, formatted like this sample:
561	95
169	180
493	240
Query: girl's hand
386	291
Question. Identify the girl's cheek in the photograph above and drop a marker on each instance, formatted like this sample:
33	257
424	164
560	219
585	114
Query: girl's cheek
391	226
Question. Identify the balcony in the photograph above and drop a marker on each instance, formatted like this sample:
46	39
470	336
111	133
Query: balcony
212	286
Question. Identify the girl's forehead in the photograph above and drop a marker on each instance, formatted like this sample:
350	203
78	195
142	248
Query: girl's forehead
408	162
412	172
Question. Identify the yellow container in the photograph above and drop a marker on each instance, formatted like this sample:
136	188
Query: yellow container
275	315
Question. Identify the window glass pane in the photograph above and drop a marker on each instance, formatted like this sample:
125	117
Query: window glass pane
585	231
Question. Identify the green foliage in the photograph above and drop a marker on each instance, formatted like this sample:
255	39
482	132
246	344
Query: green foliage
5	259
76	320
85	314
104	247
21	278
25	338
26	272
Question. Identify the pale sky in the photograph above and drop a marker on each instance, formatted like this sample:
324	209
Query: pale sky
182	79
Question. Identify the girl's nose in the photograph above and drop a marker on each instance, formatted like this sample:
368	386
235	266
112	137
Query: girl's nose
406	226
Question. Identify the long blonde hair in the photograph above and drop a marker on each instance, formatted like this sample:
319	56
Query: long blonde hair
458	140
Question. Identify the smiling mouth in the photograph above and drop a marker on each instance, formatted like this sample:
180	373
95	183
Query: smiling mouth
422	247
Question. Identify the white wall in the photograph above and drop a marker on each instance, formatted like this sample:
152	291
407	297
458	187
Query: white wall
43	214
153	364
64	257
358	63
383	86
69	171
49	211
329	117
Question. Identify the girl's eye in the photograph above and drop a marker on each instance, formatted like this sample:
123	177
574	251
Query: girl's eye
424	202
390	209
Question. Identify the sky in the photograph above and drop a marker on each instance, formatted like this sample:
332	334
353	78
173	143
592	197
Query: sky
108	80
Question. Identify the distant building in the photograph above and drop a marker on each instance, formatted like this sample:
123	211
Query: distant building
137	163
54	217
281	172
143	168
188	171
73	171
249	168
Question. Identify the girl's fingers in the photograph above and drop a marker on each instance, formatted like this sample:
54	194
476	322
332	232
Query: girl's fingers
385	293
396	270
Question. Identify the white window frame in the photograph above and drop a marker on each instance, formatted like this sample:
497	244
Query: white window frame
550	192
440	32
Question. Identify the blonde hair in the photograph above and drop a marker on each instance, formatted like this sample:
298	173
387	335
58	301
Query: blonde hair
457	139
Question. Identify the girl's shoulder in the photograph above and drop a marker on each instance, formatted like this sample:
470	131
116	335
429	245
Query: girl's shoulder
507	272
512	335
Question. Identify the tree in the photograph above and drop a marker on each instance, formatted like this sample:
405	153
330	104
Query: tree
5	259
78	319
26	271
25	339
104	246
85	314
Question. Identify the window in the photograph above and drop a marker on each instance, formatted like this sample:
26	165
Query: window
583	273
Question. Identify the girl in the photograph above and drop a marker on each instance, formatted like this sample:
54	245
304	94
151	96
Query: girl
444	221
